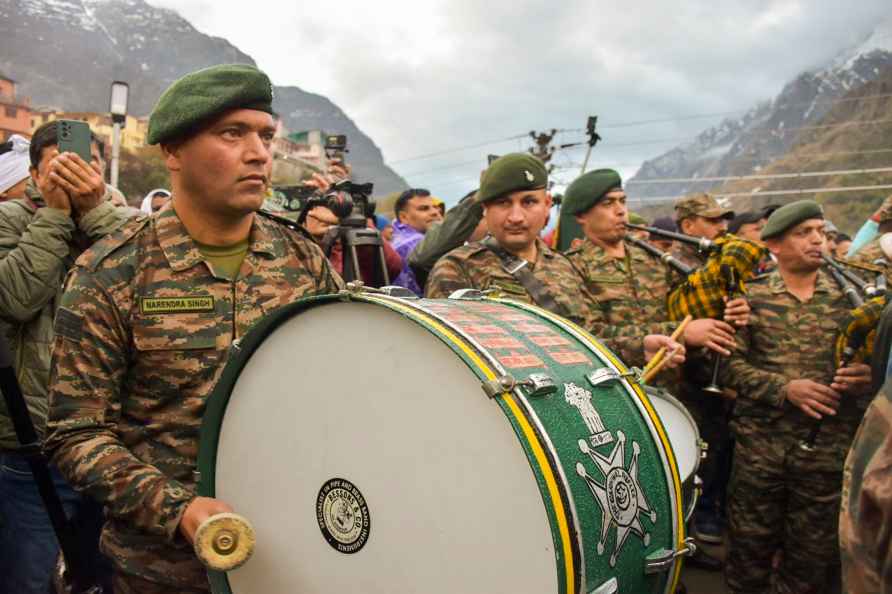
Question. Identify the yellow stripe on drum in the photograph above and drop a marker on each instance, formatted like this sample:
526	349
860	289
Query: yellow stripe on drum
530	435
655	419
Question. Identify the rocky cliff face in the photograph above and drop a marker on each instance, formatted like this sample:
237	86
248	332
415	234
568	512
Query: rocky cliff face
65	53
769	130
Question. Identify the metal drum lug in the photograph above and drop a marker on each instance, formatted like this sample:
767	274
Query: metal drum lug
662	560
535	386
471	294
606	375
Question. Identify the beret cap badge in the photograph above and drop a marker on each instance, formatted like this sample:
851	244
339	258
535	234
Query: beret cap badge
530	177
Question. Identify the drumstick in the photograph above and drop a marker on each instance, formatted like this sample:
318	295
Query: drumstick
658	357
659	366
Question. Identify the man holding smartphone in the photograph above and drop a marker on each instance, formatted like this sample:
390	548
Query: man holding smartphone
148	317
40	237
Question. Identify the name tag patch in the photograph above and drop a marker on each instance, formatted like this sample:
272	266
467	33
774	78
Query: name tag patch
163	305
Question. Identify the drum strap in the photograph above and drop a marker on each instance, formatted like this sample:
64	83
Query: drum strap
519	269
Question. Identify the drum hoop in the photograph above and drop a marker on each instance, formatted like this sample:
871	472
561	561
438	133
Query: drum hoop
536	437
242	351
685	412
644	405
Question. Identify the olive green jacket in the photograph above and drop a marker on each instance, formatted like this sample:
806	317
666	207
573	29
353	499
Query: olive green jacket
38	245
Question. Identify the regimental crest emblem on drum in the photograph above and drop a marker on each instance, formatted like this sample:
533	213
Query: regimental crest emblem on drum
620	497
582	400
343	516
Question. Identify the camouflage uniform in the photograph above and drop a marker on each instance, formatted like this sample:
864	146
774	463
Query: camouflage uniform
780	496
476	266
865	520
142	335
630	291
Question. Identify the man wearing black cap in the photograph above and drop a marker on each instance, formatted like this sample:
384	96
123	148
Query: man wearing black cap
782	496
150	313
748	225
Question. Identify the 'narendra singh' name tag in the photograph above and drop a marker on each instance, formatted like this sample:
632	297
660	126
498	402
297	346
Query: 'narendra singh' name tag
161	305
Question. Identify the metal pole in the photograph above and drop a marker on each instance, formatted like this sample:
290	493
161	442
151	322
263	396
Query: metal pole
588	153
116	152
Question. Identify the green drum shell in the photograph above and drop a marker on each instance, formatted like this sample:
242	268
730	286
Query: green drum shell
599	453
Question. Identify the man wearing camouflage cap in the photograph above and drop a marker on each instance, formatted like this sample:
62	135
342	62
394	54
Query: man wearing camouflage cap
516	207
873	255
148	317
782	496
699	215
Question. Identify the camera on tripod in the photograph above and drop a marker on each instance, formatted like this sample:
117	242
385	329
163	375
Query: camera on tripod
352	205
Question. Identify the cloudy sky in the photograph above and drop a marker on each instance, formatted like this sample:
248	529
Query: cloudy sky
428	77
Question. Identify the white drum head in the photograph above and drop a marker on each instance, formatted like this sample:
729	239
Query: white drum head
354	391
683	433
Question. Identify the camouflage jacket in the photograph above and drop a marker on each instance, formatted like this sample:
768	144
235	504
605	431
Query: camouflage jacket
865	520
866	256
786	340
142	335
477	267
37	247
628	292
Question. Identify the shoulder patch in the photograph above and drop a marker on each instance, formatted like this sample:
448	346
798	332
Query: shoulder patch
68	324
93	257
285	222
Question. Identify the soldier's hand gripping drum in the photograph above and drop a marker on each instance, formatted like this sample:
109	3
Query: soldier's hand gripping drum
381	444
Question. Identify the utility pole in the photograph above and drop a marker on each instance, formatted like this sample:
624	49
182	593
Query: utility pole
593	138
543	149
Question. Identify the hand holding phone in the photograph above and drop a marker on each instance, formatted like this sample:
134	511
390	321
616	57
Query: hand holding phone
74	137
81	180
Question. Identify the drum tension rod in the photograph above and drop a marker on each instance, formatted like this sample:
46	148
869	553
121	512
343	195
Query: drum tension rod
605	375
662	560
536	385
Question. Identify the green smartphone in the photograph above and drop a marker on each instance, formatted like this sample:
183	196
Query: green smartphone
74	137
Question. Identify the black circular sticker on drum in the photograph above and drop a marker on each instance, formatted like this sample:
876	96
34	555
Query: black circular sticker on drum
343	516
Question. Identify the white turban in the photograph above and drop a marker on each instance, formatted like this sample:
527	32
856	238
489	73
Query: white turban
146	205
14	164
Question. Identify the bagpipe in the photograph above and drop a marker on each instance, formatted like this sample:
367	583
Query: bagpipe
855	341
731	261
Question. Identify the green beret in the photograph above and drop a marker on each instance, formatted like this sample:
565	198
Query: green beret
199	96
589	189
512	173
791	215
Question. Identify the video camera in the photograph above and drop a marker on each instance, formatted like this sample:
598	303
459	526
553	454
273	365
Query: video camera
348	201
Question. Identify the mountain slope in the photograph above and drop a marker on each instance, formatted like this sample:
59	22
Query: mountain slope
65	53
743	145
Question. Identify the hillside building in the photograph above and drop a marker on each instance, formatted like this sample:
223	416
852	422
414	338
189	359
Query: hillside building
133	133
15	111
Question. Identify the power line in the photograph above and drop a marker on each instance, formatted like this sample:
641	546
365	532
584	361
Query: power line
675	180
776	193
659	121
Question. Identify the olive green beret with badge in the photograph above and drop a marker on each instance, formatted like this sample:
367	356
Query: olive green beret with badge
790	215
589	189
200	96
512	173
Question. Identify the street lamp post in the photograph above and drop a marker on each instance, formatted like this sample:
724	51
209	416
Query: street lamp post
118	108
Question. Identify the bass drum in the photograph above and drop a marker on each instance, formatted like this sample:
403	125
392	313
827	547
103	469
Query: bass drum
384	445
686	443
